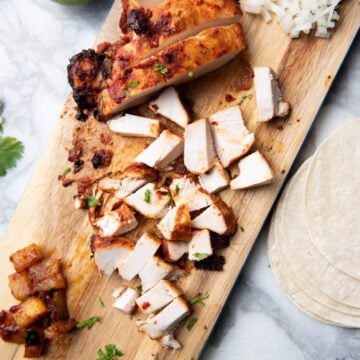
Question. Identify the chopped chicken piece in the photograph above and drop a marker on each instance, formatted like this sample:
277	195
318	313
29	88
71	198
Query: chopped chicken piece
133	125
200	245
20	285
118	291
199	152
109	251
169	342
155	270
163	322
144	249
268	95
126	302
186	190
24	258
28	311
162	294
168	104
176	224
216	179
174	250
150	201
254	171
123	184
200	54
163	151
117	222
232	138
218	217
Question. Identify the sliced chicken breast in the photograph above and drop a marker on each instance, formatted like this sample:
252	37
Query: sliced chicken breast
174	250
126	302
166	320
162	294
218	217
169	105
134	125
254	171
232	138
186	190
205	52
155	270
200	245
144	249
109	251
150	201
268	95
176	224
199	153
163	151
216	179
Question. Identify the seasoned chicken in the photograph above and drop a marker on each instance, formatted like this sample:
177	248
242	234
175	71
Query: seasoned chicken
136	126
176	224
200	245
168	104
216	179
158	297
144	249
199	54
24	258
126	302
218	217
163	151
199	152
231	136
109	251
174	250
254	171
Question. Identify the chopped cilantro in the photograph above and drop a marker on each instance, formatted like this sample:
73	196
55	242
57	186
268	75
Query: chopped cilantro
66	171
92	201
162	69
177	189
111	352
147	196
139	287
88	323
243	98
125	93
11	150
191	323
190	73
133	84
201	256
242	229
156	357
101	302
199	299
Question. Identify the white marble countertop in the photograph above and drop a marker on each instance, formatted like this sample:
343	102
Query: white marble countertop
37	38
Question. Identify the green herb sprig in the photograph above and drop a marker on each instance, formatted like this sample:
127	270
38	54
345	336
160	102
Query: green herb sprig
199	299
111	352
88	323
191	323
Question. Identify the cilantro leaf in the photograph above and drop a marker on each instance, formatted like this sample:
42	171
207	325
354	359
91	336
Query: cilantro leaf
162	69
190	73
201	256
11	150
88	323
133	84
111	352
147	196
199	299
101	302
191	323
92	201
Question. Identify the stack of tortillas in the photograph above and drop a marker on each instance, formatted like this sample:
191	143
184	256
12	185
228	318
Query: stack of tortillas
314	239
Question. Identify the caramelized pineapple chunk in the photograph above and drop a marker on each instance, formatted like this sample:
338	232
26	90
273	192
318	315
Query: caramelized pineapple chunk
24	258
9	330
59	327
20	285
28	311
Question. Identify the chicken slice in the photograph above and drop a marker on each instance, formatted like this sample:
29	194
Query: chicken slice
268	95
126	302
168	104
109	251
200	54
118	291
200	245
124	183
144	249
216	179
199	152
162	294
150	201
133	125
176	224
117	222
169	342
254	171
166	320
232	138
163	151
155	270
186	190
174	250
218	217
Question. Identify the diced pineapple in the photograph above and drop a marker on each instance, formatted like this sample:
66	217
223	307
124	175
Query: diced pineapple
28	311
24	258
20	285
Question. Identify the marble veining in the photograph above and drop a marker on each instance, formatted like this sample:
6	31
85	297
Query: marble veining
37	37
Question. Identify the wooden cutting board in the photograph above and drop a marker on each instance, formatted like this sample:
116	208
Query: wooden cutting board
45	214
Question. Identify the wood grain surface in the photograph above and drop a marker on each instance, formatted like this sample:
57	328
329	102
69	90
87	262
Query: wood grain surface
306	68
